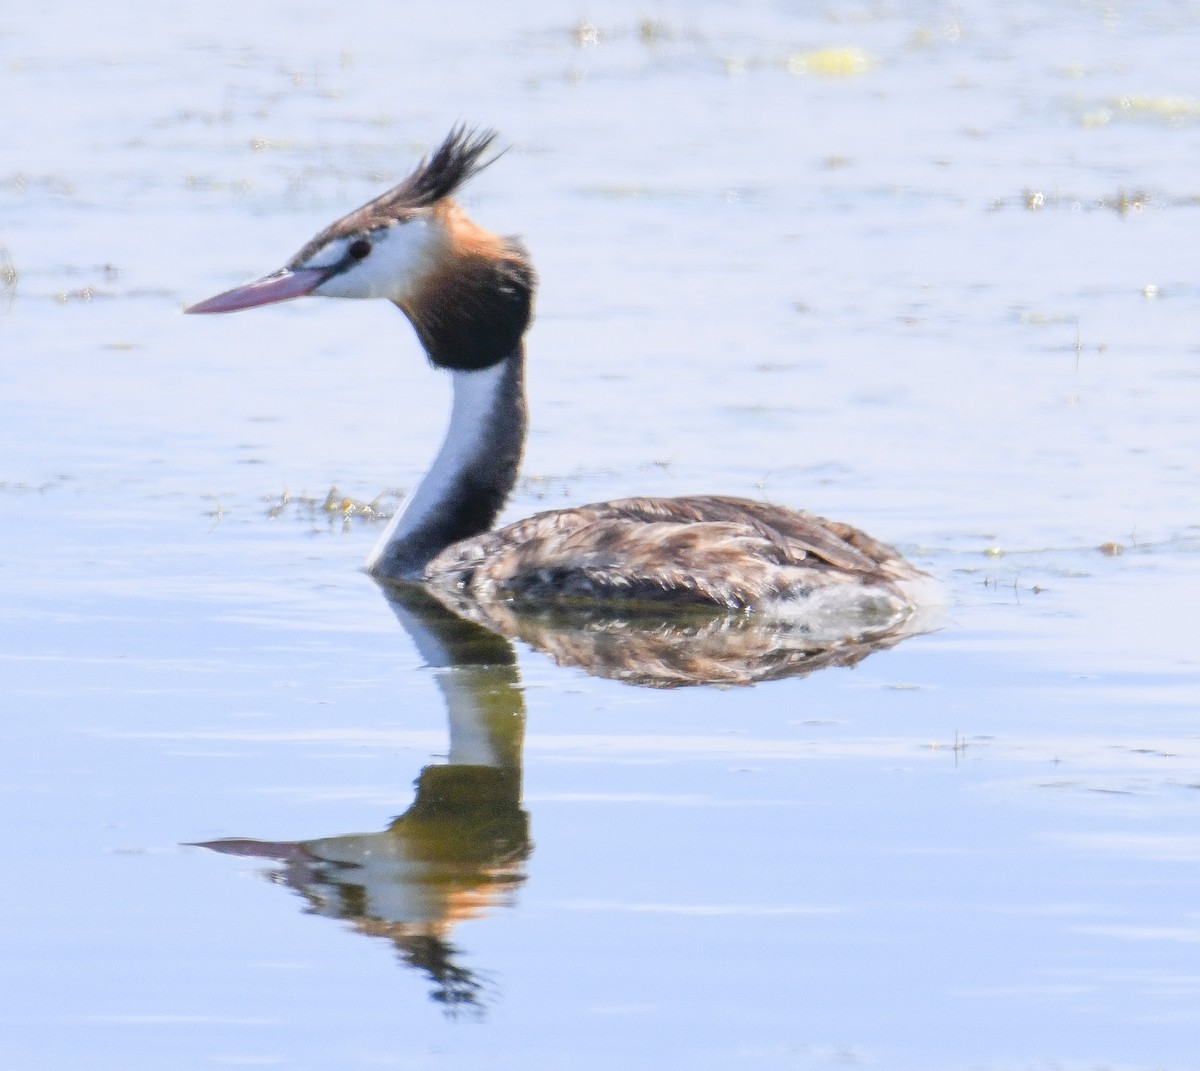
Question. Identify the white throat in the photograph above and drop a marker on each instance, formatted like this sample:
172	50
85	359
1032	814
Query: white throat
474	411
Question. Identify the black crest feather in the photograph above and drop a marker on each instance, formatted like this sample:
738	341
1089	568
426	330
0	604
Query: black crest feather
453	163
456	160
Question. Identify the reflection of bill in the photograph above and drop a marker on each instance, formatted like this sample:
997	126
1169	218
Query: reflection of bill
460	849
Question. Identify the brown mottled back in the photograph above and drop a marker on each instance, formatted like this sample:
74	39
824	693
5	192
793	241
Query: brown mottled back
703	550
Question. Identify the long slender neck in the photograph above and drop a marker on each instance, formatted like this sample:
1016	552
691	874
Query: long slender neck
470	479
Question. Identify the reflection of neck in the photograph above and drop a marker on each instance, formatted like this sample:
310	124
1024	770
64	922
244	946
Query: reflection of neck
477	673
474	471
486	712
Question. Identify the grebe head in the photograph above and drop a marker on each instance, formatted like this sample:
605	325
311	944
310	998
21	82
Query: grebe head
468	292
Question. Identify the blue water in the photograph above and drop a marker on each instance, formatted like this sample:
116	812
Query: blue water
950	299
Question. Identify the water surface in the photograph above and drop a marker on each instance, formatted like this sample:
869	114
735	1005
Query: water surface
948	296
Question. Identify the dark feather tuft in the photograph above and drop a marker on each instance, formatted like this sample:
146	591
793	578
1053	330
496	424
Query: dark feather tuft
455	161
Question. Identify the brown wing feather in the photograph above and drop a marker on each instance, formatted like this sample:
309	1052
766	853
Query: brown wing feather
705	549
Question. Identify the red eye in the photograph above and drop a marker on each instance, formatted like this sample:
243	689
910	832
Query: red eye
359	248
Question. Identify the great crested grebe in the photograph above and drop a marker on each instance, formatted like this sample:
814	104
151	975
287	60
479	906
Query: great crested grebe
469	295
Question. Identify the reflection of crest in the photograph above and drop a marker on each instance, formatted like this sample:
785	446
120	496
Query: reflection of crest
460	850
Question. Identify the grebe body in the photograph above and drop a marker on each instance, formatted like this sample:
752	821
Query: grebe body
469	295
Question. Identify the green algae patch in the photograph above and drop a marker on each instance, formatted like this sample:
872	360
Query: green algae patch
1136	106
836	62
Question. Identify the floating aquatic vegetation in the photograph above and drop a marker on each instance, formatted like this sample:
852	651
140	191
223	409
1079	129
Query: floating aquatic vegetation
1122	202
839	62
8	280
1174	110
333	506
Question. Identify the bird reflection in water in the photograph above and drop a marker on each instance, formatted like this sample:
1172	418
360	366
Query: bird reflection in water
460	849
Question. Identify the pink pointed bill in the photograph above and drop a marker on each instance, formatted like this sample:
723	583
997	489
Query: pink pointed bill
282	286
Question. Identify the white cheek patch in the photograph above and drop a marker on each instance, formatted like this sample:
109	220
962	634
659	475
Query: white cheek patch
400	256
